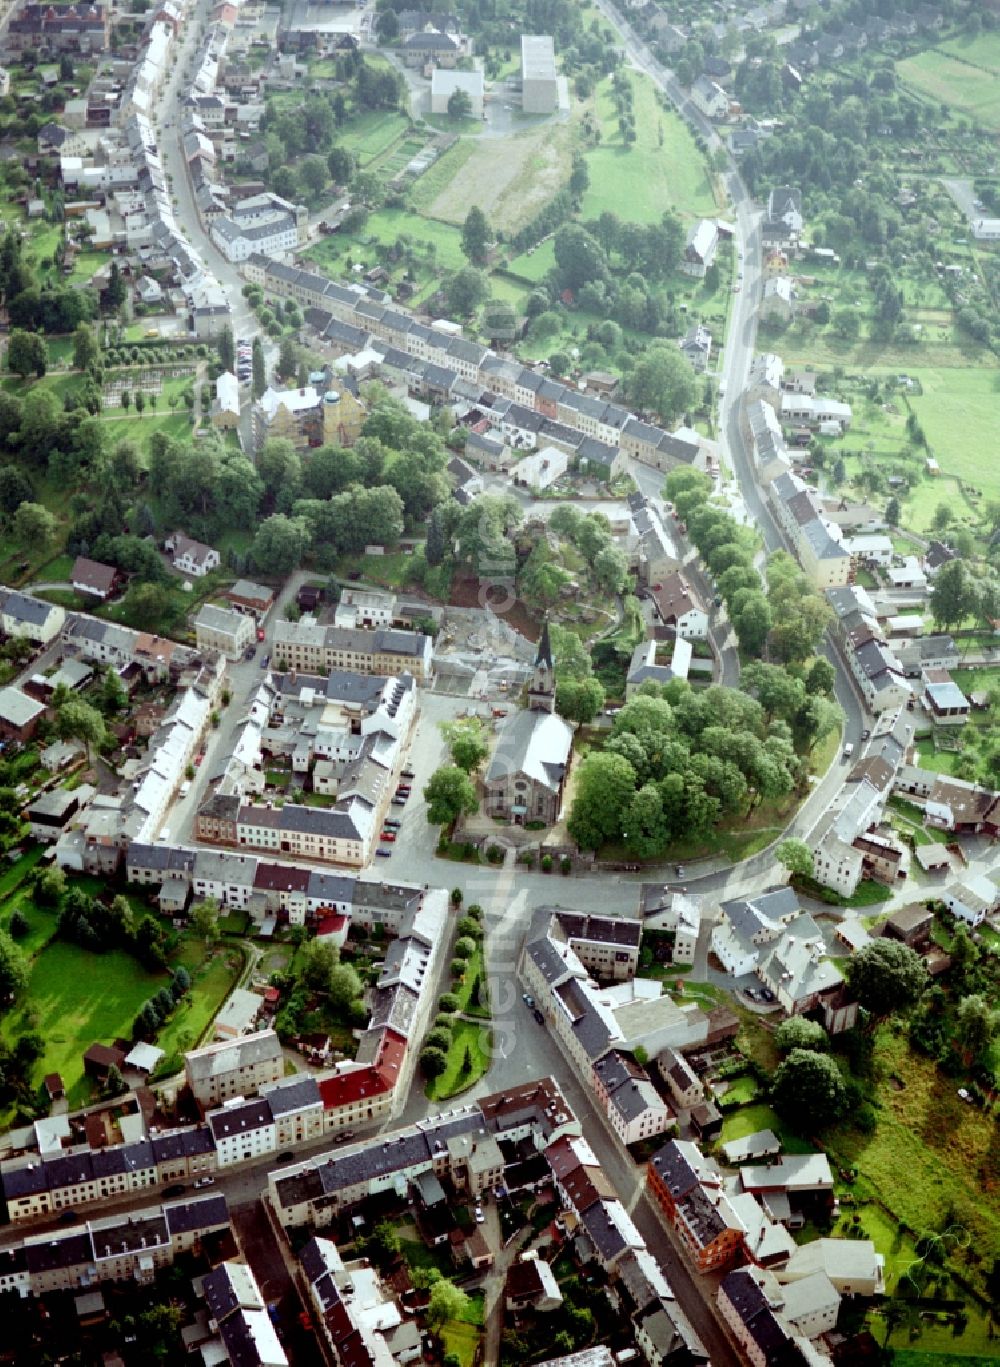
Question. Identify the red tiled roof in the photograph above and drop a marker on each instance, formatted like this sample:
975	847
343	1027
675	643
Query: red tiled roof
390	1057
331	925
343	1089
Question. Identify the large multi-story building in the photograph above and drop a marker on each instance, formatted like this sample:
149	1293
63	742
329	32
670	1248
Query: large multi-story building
307	647
239	1067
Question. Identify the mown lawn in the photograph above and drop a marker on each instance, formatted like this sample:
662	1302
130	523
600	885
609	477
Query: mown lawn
475	978
462	1337
465	1036
759	1116
75	999
954	81
662	170
213	977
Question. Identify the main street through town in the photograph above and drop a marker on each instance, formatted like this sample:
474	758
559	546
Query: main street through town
509	894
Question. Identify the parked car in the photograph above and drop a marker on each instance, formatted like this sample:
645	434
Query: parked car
538	1016
265	662
389	837
399	801
480	1217
408	773
384	854
528	1000
204	1182
260	633
866	734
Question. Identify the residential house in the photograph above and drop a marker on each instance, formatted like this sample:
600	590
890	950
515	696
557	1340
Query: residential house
689	1190
696	347
680	607
30	618
971	898
94	579
783	222
700	248
778	302
709	98
192	557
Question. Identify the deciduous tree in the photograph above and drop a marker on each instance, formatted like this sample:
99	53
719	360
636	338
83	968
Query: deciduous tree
886	977
449	795
808	1088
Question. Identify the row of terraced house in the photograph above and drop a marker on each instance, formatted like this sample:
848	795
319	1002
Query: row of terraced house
356	319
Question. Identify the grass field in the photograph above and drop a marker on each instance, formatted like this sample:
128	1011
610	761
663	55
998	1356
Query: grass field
535	263
958	412
75	999
663	169
370	135
462	1337
982	50
932	1159
510	188
749	1119
956	81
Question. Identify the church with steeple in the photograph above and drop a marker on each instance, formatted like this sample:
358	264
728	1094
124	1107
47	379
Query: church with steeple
527	775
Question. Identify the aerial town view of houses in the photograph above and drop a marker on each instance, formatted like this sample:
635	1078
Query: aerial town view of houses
500	683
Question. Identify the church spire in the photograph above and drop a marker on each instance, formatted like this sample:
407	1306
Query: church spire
542	691
544	656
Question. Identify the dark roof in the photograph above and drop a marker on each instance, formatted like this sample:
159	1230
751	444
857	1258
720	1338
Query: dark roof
674	1170
201	1212
543	656
254	1114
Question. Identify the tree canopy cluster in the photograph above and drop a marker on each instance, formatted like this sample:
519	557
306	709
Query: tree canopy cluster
99	926
320	988
676	764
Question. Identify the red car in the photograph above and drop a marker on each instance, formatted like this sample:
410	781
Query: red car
260	633
389	837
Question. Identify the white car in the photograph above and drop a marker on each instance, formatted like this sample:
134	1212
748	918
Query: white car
480	1217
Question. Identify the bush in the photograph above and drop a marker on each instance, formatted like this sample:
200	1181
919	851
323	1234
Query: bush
474	912
438	1038
448	1002
546	863
470	927
527	859
456	897
465	947
494	854
565	864
18	926
458	967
